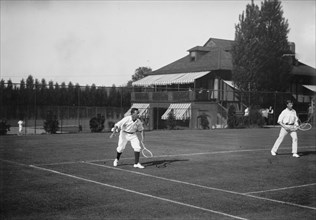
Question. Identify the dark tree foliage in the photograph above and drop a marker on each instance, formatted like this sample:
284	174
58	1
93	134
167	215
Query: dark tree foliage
204	121
171	120
140	73
51	124
232	118
32	92
97	123
4	127
261	42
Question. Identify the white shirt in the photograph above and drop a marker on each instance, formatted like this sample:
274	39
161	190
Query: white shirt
288	117
20	123
127	124
246	112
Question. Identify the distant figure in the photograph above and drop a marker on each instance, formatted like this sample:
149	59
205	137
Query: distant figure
265	114
270	115
246	117
20	123
310	112
246	112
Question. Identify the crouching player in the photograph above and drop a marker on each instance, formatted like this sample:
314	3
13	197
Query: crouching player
128	127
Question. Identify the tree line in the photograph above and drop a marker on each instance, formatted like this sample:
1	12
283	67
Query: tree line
34	92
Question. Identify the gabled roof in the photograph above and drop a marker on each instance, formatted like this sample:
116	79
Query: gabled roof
215	42
214	55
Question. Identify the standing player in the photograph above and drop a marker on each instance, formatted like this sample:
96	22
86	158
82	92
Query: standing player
20	123
128	127
288	121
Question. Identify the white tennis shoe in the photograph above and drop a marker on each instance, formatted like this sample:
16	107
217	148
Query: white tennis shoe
139	166
273	153
296	155
115	162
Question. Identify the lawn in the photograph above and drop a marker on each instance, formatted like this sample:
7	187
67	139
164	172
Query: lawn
194	174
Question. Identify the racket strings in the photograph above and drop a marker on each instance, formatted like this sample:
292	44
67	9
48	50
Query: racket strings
146	153
304	126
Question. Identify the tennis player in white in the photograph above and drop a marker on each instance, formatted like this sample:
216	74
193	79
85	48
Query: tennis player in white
128	127
288	121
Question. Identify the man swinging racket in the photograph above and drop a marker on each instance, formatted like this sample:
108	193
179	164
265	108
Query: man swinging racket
128	127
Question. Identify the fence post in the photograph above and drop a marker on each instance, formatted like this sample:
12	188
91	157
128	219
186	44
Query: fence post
275	96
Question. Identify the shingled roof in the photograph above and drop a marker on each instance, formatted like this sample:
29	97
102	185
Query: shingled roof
214	55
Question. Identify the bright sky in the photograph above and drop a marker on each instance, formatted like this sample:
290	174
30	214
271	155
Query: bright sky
104	42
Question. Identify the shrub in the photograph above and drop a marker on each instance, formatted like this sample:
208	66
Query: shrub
97	123
171	120
204	121
255	117
111	125
4	127
232	118
51	124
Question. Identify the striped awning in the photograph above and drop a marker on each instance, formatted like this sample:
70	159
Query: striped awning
142	108
181	111
310	87
168	79
231	84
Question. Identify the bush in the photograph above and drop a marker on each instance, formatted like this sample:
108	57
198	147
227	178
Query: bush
232	118
171	120
255	117
204	121
4	127
51	124
111	125
97	123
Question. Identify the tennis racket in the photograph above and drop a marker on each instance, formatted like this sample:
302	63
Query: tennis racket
146	153
304	126
114	131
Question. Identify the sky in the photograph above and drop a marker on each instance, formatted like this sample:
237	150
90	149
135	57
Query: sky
103	42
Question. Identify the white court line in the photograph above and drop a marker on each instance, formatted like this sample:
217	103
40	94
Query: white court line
173	155
159	156
278	189
139	193
15	163
201	186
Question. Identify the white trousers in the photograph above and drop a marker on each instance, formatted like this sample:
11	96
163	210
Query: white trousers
124	138
282	134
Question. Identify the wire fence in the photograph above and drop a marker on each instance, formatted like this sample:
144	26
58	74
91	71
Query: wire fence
75	107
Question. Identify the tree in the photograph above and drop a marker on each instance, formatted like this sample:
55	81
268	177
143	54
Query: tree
97	123
114	98
260	43
51	124
171	120
140	73
232	118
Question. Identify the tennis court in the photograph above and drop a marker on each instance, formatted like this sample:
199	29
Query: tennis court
194	174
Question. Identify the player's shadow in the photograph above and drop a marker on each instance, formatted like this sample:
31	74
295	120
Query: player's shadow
305	153
302	154
161	163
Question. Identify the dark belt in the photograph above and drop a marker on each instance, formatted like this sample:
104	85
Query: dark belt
129	132
289	124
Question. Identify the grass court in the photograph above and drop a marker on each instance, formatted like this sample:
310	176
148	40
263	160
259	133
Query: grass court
194	174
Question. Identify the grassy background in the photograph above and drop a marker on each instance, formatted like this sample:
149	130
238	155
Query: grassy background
200	174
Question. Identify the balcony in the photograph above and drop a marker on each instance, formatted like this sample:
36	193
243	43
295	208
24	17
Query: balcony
173	96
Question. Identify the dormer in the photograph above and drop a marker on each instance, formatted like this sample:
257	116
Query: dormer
197	52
